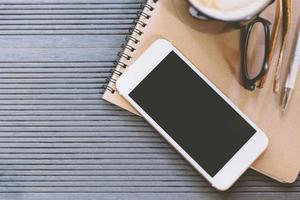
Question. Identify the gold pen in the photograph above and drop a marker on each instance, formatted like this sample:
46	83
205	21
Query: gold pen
286	24
292	76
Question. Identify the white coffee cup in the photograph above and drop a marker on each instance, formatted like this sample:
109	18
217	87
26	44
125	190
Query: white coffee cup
213	21
229	10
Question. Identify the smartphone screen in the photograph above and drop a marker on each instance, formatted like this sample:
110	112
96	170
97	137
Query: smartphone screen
192	113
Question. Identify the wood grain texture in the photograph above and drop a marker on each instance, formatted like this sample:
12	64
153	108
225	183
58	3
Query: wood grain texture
59	139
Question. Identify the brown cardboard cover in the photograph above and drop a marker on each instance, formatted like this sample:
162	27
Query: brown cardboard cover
218	57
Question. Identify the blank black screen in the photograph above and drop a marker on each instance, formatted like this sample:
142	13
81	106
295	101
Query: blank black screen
192	113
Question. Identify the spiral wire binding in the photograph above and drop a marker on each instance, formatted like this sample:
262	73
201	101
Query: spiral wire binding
127	48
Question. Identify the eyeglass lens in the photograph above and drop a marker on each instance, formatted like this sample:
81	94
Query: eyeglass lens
255	50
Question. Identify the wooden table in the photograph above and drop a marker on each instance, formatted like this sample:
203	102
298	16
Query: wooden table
59	139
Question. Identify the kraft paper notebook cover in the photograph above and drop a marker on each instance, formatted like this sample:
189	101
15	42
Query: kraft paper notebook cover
218	57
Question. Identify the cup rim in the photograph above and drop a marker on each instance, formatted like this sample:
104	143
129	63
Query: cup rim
239	15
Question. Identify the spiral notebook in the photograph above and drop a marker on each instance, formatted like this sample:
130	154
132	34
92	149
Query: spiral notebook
217	56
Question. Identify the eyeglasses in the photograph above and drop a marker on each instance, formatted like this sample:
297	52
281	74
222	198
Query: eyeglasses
251	74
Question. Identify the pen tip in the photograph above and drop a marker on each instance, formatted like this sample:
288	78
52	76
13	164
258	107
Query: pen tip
284	107
286	98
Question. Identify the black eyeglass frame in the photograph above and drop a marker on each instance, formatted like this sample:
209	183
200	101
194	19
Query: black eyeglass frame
250	83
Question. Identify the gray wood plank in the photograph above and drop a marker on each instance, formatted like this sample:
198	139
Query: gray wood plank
68	41
59	139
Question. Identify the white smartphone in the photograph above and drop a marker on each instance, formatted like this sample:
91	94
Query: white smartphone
192	114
